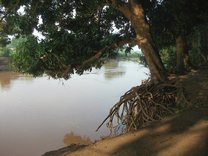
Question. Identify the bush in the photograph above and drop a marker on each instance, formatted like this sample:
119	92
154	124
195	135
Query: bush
5	52
26	57
168	56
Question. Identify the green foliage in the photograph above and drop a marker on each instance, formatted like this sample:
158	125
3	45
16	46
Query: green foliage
173	18
26	57
128	55
195	57
198	49
4	40
74	31
168	56
198	40
5	52
127	52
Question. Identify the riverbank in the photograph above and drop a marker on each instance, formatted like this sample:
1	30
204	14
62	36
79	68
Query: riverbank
4	64
183	134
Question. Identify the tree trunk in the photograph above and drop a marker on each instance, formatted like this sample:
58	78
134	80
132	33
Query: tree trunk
183	63
154	62
135	14
202	43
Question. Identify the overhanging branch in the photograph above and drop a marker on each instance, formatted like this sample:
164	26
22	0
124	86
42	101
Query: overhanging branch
99	53
65	69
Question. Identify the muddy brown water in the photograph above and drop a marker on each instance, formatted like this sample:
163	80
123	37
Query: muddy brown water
42	114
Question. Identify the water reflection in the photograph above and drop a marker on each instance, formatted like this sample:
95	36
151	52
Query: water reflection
35	116
113	69
72	138
6	79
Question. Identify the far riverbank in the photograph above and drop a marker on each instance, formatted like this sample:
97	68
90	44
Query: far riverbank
4	64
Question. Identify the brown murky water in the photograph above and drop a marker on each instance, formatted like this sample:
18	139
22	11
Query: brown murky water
41	114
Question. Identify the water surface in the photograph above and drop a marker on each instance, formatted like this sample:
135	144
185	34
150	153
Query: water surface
41	114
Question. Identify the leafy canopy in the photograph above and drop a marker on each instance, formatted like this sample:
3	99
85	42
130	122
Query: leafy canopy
79	34
173	18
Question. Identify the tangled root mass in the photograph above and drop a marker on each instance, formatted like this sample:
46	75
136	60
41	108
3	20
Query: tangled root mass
143	104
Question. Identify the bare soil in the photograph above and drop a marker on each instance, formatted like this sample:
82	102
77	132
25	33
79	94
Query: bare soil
196	86
184	134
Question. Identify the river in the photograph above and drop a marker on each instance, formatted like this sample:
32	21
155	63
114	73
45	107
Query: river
43	114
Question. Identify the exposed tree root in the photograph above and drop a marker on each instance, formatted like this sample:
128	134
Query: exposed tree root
143	104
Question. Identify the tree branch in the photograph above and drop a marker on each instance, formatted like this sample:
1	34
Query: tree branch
113	46
65	69
123	8
9	10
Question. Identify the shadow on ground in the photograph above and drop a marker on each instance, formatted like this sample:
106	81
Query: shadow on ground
182	135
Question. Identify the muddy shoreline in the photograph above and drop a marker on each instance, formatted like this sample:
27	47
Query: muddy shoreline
183	134
180	134
66	150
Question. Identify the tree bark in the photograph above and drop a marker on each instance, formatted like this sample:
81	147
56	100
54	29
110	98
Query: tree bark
202	43
134	12
183	63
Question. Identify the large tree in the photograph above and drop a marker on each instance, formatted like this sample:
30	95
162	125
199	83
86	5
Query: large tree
177	22
80	34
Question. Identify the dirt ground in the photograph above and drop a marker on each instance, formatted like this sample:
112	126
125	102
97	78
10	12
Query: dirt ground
196	86
184	134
